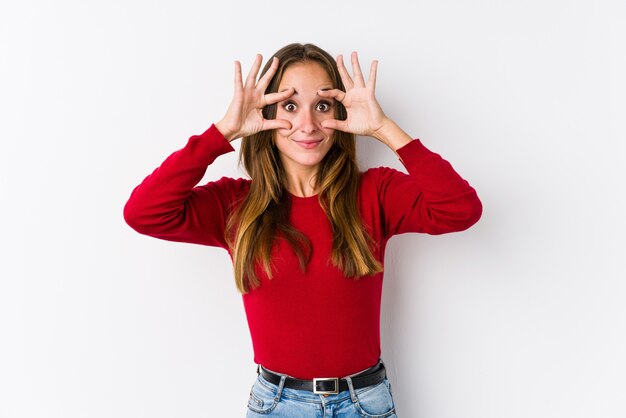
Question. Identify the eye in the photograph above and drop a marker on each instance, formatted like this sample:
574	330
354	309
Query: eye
289	106
323	106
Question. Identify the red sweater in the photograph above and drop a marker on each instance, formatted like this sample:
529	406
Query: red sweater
316	323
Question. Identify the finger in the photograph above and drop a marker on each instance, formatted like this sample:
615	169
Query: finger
356	70
238	82
334	93
275	124
272	98
340	125
267	77
371	83
343	72
251	79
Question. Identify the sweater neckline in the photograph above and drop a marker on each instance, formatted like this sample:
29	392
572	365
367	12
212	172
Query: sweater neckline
294	198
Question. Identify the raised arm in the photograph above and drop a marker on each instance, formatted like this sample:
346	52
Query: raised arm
433	197
168	204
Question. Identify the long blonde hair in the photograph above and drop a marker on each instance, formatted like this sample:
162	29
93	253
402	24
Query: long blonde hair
264	212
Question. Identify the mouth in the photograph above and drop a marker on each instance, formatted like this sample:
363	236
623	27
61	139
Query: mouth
308	143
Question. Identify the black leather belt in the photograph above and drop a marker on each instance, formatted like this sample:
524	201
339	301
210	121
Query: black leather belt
329	385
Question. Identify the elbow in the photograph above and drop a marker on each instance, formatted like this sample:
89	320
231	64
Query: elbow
462	217
130	215
471	214
476	213
152	221
133	218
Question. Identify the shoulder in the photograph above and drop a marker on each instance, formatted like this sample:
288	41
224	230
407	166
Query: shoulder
237	185
226	188
373	178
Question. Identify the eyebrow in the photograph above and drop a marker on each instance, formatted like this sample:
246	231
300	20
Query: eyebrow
295	92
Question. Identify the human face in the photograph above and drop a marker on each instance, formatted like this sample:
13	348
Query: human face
304	146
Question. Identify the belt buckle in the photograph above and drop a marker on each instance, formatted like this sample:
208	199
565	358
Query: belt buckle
326	392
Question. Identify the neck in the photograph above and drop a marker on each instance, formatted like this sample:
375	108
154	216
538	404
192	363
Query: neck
302	184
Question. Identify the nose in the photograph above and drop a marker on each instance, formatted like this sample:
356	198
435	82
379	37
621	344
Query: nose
307	122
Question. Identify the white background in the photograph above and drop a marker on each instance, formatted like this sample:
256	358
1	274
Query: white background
523	315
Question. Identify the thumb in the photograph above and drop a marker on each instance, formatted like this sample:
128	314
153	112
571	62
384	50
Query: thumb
341	125
276	124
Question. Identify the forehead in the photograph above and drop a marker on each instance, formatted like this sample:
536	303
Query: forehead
305	76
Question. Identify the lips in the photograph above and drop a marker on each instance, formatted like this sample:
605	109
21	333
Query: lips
308	143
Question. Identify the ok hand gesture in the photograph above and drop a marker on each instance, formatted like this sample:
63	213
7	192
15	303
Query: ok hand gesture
365	116
244	116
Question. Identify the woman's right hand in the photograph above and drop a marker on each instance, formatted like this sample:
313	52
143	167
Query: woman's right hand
244	116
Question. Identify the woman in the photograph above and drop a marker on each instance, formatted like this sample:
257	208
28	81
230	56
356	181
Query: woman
307	233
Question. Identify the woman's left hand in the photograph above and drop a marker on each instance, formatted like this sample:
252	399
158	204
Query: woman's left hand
365	116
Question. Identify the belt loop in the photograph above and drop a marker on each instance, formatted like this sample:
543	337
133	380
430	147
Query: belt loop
351	388
281	385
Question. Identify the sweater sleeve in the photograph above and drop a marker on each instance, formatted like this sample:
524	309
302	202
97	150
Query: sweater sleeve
432	198
168	204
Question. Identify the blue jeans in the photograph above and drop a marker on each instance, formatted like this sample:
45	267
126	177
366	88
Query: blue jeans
275	401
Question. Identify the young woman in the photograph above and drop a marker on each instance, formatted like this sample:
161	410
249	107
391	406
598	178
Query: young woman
307	233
